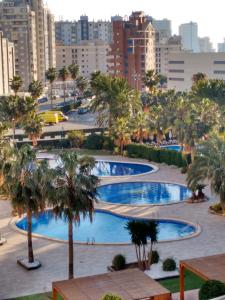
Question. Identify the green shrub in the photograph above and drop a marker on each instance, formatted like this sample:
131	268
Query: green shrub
155	257
158	155
111	297
211	289
76	138
217	208
119	262
108	143
94	141
169	264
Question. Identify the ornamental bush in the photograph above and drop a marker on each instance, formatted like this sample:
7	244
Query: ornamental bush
119	262
169	265
155	257
158	155
94	141
76	138
111	297
211	289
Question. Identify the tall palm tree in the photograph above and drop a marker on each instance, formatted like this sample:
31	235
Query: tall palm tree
36	89
25	183
16	83
33	128
210	164
140	124
82	83
151	80
74	194
51	75
74	71
63	76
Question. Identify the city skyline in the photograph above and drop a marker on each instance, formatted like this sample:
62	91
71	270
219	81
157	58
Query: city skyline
178	12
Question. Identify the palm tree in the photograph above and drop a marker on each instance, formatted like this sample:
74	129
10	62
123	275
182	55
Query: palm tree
74	194
25	183
74	73
63	76
51	75
16	83
199	76
36	89
122	130
14	110
210	164
151	80
82	83
33	128
140	123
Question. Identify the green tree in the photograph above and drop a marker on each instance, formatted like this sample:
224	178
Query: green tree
210	164
16	83
33	127
51	75
140	123
151	80
74	71
14	110
25	183
63	76
162	80
36	89
199	77
76	138
122	129
74	194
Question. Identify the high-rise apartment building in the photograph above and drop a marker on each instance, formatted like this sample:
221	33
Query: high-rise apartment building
7	64
205	45
221	46
73	32
90	56
189	36
30	26
133	48
163	47
162	28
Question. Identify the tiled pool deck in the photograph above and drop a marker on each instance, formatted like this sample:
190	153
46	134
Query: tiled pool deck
90	260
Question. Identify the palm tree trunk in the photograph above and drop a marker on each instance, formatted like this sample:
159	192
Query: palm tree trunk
64	93
29	237
70	239
110	123
150	256
51	96
74	94
14	129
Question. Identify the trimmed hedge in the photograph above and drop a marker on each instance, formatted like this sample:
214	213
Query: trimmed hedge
211	289
119	262
158	155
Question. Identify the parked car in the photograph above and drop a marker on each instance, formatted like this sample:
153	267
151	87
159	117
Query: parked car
53	117
42	100
83	110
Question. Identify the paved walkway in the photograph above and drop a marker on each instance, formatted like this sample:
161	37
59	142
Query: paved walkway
90	260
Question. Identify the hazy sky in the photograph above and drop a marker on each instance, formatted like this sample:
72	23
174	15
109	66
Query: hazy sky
210	15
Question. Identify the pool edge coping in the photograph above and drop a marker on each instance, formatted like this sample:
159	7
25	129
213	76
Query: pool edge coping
197	226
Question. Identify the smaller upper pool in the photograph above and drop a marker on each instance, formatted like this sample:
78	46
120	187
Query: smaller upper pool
104	168
142	193
172	147
115	168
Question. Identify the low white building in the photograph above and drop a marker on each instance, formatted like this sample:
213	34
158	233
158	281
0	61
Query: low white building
183	65
90	56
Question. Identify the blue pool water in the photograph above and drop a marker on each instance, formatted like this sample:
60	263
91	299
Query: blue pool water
172	147
111	168
106	228
140	193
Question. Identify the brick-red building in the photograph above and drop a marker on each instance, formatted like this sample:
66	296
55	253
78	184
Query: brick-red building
133	49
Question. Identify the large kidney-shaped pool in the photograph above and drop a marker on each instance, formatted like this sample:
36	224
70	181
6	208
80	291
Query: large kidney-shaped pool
104	168
107	228
142	193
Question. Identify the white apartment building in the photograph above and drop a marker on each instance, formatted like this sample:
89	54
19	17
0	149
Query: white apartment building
7	64
205	45
183	65
189	36
91	56
30	26
162	28
163	47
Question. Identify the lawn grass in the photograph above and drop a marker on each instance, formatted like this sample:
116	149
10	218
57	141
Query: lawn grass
191	282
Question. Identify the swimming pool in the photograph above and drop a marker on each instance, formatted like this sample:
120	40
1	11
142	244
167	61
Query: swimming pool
172	147
104	168
142	193
107	228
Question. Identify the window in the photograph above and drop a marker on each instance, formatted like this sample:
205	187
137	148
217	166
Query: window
176	62
219	62
176	71
219	72
176	79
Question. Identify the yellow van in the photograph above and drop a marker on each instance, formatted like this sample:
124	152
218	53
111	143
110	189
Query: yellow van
52	117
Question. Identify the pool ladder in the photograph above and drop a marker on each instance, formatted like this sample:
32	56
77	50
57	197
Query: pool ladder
92	242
